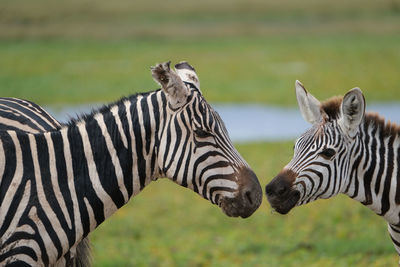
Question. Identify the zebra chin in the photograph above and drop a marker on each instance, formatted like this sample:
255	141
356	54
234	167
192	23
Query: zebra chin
286	204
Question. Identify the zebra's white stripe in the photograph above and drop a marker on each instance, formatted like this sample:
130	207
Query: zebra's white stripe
92	221
135	174
114	111
71	184
109	205
2	162
18	125
54	179
113	154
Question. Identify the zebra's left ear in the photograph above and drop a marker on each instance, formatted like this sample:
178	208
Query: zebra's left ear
309	106
352	111
172	85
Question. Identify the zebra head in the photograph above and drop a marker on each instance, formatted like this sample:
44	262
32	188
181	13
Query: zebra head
195	150
322	155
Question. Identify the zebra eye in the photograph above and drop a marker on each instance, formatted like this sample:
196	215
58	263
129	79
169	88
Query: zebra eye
328	153
201	133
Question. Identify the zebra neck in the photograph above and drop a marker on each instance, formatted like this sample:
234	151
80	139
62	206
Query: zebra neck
375	171
111	156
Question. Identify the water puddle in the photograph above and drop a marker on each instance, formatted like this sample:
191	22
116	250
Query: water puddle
250	122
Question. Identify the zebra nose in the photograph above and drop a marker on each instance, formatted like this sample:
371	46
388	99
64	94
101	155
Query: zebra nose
278	187
251	191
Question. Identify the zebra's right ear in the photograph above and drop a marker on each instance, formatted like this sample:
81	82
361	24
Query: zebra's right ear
187	73
352	111
309	106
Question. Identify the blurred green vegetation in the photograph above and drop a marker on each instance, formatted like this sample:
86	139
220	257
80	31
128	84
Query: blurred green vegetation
255	69
244	51
78	51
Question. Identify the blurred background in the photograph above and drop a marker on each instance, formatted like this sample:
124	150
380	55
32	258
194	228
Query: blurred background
66	55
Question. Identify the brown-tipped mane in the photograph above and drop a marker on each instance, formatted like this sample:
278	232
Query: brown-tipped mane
371	119
332	107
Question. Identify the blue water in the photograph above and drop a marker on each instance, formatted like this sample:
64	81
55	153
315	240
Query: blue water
251	122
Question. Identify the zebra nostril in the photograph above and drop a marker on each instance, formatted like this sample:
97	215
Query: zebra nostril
248	196
269	190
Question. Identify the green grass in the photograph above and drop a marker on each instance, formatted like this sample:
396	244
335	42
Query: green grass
253	69
167	225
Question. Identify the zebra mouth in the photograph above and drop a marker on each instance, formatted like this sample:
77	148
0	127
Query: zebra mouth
285	203
238	207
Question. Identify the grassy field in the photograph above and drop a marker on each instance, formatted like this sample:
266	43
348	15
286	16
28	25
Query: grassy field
254	69
79	51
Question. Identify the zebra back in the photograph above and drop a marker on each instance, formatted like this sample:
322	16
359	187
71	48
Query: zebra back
22	115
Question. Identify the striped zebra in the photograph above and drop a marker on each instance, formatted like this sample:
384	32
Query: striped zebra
23	115
346	151
59	185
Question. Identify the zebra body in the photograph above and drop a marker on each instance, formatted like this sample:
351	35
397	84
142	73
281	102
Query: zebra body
58	186
346	151
23	115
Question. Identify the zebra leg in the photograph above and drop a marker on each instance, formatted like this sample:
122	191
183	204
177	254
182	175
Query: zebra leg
394	232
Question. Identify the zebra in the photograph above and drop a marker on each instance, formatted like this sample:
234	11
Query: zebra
23	115
345	151
59	185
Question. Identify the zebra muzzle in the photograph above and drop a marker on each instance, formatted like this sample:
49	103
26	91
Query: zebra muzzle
247	200
280	193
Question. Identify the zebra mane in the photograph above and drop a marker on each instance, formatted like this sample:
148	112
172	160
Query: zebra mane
332	107
105	108
385	128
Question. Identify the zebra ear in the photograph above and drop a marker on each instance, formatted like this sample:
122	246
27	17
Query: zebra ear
309	106
171	84
352	111
187	73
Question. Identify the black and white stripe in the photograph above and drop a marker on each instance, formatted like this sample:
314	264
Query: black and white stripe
346	151
23	115
58	186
